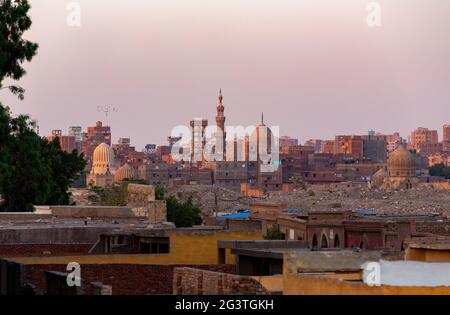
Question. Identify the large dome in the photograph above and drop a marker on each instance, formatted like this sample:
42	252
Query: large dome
401	163
103	159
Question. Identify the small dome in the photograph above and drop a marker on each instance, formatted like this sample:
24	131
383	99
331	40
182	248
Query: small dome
103	159
401	163
125	171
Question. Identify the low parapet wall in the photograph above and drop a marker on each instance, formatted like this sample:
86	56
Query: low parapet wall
92	211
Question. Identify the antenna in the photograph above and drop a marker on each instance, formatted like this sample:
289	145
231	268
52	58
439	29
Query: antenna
107	110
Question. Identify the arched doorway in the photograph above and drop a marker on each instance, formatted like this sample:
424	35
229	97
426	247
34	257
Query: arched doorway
337	243
324	242
315	244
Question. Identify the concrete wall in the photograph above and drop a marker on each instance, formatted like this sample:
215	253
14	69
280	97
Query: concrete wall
92	211
187	246
426	254
316	285
26	250
311	261
58	235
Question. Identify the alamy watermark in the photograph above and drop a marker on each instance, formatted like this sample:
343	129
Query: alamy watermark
374	17
200	143
74	17
74	274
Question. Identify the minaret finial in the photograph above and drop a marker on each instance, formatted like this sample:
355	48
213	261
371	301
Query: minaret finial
262	118
220	96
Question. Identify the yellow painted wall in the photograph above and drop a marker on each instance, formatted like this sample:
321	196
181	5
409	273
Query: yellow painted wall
306	285
186	247
429	255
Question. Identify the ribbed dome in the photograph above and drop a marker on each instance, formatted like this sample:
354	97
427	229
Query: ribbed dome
401	163
103	159
125	171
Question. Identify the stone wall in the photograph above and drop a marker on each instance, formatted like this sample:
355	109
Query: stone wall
190	281
157	211
140	195
141	198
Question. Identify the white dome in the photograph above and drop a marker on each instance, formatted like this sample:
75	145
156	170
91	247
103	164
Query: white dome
103	159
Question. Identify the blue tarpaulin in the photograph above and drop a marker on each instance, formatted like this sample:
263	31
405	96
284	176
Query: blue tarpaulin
240	215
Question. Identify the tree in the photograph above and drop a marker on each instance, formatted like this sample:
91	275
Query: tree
14	50
33	171
273	233
37	171
182	214
440	170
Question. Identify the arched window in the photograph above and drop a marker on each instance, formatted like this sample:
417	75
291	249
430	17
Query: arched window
315	244
337	244
324	242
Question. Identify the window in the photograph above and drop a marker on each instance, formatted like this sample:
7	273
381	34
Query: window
337	244
154	245
324	242
314	242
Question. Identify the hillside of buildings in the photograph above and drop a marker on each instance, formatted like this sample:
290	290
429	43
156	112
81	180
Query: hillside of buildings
423	199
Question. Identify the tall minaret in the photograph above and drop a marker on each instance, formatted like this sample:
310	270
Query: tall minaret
220	122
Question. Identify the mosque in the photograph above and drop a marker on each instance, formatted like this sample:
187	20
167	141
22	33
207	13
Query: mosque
400	172
103	172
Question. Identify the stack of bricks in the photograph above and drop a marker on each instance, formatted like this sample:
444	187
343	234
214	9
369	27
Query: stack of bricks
190	281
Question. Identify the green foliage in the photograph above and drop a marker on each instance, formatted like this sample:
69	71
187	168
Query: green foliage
33	171
440	170
14	50
273	233
160	191
182	214
110	196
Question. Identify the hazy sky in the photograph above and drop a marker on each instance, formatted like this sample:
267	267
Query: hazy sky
314	67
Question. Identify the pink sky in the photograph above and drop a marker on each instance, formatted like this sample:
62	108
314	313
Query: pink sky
314	67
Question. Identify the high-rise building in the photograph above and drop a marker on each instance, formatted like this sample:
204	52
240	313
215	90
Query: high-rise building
421	135
393	141
425	141
349	145
375	148
446	138
76	132
67	142
286	141
198	141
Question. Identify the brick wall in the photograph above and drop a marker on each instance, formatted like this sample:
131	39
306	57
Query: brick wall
125	279
438	228
190	281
